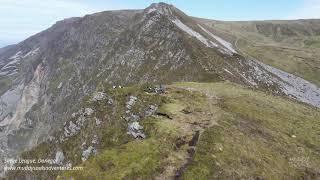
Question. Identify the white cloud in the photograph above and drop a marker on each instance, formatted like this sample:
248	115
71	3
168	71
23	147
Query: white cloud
20	19
310	9
44	7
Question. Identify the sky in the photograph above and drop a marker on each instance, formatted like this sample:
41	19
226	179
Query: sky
19	19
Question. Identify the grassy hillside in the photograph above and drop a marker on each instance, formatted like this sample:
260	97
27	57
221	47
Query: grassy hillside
200	131
292	46
257	136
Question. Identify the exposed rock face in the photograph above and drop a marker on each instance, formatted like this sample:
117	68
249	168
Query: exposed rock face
72	128
45	76
294	86
29	97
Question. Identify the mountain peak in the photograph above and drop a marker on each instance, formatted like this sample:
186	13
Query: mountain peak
160	4
162	8
63	87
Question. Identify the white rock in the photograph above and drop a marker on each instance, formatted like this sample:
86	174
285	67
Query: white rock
131	102
135	130
99	96
98	122
110	101
88	111
191	32
73	115
86	153
17	55
292	85
73	128
226	44
32	52
60	85
151	110
59	157
80	121
69	165
151	10
137	134
226	70
95	140
135	126
83	145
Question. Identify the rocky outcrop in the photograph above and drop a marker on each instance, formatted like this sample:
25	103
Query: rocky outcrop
135	129
86	153
47	75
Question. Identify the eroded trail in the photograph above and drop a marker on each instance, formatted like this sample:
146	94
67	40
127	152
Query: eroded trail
192	111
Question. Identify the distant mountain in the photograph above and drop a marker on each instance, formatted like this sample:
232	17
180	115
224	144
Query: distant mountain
292	46
46	79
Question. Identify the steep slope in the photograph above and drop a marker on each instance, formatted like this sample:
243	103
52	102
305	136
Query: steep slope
46	76
292	46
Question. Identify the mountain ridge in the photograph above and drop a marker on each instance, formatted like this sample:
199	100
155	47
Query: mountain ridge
47	75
